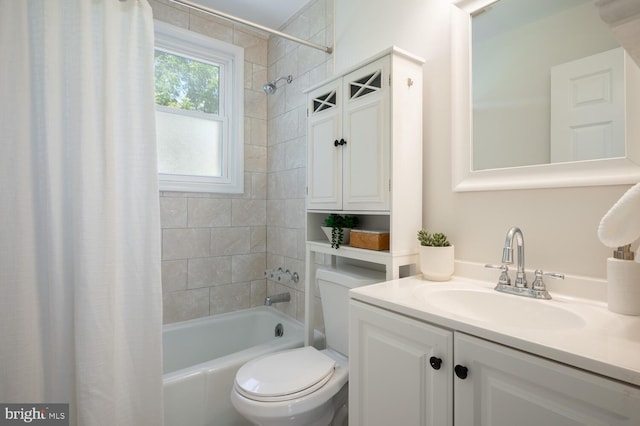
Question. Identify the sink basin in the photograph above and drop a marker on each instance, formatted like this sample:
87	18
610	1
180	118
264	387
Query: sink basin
515	311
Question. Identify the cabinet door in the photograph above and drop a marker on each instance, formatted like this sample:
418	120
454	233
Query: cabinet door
506	387
391	381
366	130
324	166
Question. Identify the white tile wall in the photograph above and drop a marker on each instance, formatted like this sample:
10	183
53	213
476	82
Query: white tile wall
287	155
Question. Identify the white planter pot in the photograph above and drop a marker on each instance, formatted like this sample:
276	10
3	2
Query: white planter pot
437	263
346	234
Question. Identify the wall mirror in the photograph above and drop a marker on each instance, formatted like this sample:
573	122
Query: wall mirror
541	92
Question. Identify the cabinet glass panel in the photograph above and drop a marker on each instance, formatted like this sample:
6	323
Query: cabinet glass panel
324	102
365	85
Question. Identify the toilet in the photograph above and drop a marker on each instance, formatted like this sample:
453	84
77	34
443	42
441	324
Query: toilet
306	386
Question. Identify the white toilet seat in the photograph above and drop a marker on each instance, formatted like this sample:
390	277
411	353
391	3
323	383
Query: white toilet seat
296	406
285	375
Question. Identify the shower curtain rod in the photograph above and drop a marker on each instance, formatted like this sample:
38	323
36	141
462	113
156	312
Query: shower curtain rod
214	12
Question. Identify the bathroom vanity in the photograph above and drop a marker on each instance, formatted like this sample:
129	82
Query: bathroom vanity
460	353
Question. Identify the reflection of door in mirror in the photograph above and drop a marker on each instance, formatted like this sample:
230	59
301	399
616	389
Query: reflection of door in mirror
515	45
587	108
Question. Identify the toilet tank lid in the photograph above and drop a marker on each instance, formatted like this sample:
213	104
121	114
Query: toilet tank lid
349	275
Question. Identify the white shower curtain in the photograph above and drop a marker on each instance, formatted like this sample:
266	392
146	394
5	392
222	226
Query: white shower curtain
80	292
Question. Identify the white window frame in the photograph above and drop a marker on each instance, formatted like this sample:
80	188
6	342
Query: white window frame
231	60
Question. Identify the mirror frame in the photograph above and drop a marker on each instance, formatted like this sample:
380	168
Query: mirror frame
614	171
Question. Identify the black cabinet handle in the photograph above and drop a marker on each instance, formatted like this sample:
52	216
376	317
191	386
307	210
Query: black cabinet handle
435	362
343	142
461	371
339	142
336	143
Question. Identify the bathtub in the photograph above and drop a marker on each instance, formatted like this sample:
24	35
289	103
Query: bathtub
202	356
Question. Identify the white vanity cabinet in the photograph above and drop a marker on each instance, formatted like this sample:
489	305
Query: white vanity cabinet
391	377
506	387
478	383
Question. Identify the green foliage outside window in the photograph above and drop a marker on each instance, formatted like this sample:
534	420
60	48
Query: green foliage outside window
186	84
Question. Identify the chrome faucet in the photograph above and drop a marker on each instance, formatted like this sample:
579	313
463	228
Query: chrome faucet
538	289
507	255
277	298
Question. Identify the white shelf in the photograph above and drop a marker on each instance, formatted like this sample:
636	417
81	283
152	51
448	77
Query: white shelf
375	256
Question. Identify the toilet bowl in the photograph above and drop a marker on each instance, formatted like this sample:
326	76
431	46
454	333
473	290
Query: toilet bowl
306	386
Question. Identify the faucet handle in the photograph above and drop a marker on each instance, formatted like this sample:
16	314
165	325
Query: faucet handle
538	284
504	276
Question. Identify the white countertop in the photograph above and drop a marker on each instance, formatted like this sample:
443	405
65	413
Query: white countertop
607	343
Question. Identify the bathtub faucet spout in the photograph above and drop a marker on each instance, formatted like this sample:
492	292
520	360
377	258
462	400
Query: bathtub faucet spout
277	298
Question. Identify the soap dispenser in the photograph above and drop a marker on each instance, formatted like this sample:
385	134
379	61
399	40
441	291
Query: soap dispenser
623	282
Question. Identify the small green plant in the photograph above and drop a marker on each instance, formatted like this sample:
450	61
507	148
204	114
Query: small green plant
437	239
337	223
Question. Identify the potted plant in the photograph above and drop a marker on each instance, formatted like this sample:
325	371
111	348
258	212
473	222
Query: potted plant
337	228
436	256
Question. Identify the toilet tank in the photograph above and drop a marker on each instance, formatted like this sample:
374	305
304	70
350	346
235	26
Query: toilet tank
334	284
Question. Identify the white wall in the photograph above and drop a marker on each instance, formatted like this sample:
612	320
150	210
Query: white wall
559	225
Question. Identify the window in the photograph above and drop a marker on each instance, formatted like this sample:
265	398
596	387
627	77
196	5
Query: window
199	112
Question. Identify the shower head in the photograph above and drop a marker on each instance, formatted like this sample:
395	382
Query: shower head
270	87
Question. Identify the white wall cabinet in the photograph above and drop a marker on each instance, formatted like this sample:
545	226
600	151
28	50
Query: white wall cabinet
364	148
364	151
348	131
479	383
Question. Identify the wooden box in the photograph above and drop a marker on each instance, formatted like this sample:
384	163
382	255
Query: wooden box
372	240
